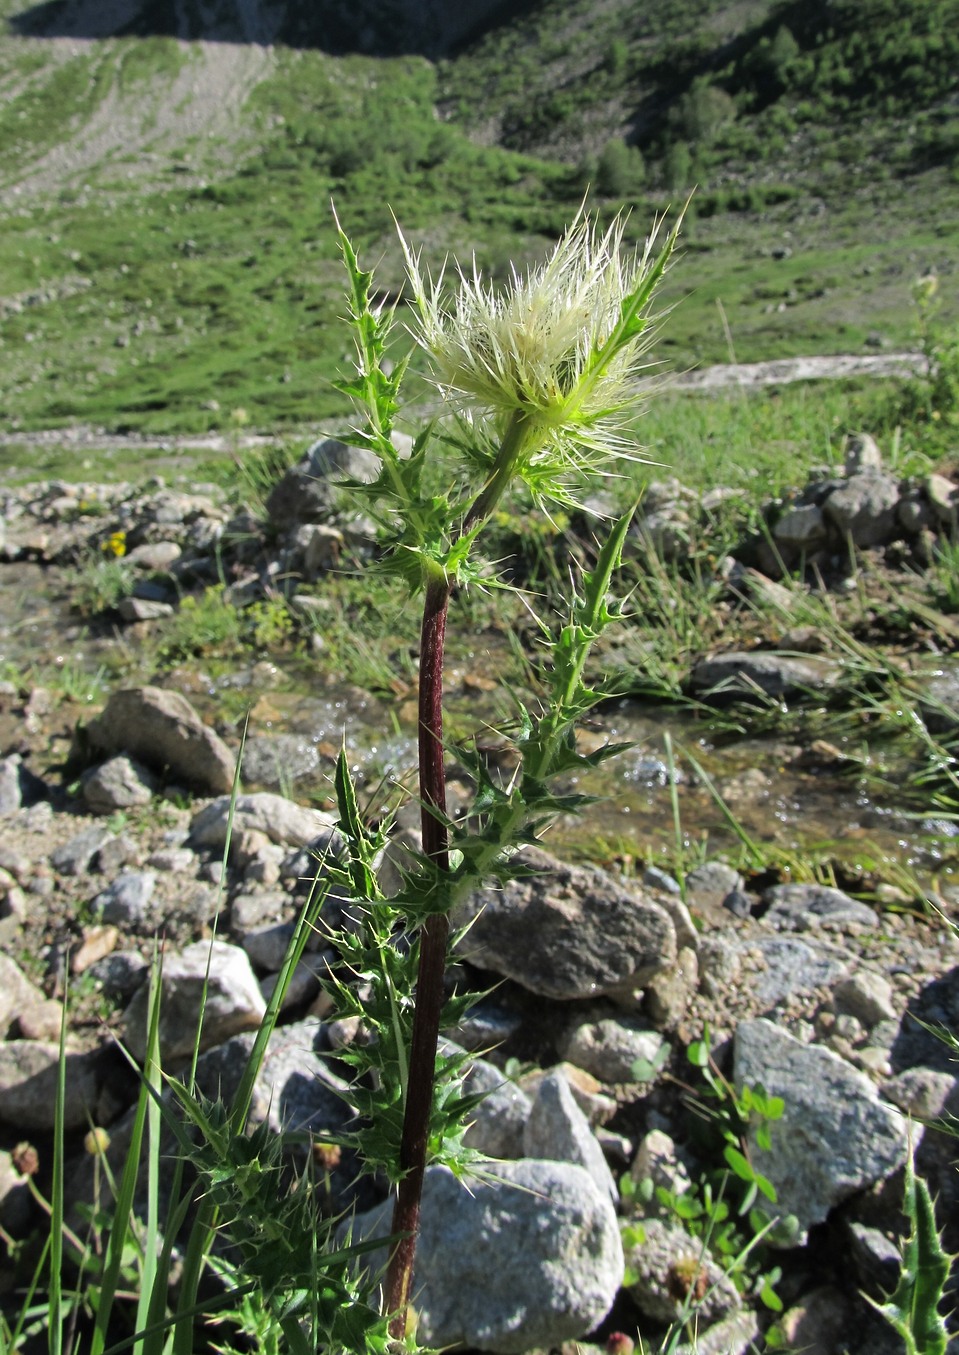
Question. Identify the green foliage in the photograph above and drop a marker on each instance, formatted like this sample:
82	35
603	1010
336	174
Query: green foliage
204	623
212	290
743	1119
719	1210
702	112
678	167
620	170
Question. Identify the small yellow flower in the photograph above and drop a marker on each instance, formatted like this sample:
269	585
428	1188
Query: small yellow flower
115	544
552	359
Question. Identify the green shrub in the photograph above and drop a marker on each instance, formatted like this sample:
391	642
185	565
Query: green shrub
620	170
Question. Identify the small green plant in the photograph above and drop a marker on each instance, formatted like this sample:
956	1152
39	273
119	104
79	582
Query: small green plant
204	623
720	1209
100	585
739	1116
270	623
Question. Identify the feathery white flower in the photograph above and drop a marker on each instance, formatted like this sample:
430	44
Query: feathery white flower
553	358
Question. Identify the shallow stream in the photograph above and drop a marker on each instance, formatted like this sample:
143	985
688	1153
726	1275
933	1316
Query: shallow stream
763	800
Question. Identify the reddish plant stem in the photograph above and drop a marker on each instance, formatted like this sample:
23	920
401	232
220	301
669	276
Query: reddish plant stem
432	965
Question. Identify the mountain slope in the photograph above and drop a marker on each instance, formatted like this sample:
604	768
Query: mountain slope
167	259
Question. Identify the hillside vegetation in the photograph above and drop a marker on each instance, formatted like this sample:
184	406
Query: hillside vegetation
167	260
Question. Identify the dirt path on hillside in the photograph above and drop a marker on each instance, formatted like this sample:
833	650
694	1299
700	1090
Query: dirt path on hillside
750	375
786	370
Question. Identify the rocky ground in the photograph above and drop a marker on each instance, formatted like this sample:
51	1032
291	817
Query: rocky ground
603	981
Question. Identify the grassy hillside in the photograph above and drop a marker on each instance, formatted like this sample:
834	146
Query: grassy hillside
167	259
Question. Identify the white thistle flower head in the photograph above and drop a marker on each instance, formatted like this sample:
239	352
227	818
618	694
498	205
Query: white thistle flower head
553	358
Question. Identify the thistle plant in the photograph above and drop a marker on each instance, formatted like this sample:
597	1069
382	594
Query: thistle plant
539	384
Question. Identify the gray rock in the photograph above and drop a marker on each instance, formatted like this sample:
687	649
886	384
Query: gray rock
943	499
485	1026
157	555
655	878
10	793
608	1048
792	966
323	551
865	508
939	702
835	1138
119	783
126	902
765	591
118	852
720	964
17	994
305	492
163	729
736	1334
874	1256
294	1093
28	1085
304	984
861	453
119	974
658	1161
233	1003
16	1203
173	861
530	1259
923	1093
736	675
799	908
132	609
668	993
801	528
666	1264
152	591
867	996
267	946
280	819
248	912
913	512
666	531
708	885
558	1131
567	931
77	855
499	1121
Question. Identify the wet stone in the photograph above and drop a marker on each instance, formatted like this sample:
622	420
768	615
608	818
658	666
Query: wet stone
279	759
745	675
